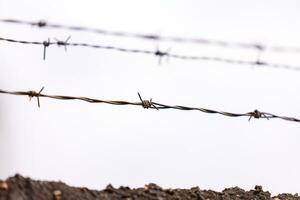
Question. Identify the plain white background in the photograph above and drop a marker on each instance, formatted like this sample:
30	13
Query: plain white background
92	145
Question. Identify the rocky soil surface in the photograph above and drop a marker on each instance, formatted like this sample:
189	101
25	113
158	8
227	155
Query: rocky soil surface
20	188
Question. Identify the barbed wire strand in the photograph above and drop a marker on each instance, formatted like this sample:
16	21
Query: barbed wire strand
221	43
147	104
158	53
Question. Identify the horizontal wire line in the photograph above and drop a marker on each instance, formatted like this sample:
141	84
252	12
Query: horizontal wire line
225	44
155	53
148	104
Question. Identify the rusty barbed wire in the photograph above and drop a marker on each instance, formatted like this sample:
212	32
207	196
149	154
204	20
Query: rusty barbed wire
158	53
153	37
148	104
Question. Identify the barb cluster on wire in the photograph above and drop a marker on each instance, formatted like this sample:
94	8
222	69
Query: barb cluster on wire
158	53
227	44
147	104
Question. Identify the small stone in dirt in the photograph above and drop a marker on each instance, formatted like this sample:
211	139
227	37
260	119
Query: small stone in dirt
109	188
3	185
152	186
169	191
258	189
57	194
124	188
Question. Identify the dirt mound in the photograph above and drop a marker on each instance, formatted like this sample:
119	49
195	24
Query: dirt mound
20	188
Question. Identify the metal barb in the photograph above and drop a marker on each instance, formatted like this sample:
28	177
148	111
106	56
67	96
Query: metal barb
63	43
46	44
258	62
161	54
33	93
146	103
257	114
40	24
260	48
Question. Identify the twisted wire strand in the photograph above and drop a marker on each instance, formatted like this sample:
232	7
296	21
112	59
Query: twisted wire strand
157	53
148	104
221	43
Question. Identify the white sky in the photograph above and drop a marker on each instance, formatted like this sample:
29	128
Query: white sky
92	145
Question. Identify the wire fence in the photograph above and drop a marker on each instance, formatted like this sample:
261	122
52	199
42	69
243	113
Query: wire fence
154	37
148	104
158	53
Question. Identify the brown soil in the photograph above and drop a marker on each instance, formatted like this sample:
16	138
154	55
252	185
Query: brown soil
20	188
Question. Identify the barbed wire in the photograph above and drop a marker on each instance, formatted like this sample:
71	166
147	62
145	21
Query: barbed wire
148	104
153	37
157	53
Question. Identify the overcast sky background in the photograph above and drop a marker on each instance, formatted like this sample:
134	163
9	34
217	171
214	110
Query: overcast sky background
93	145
